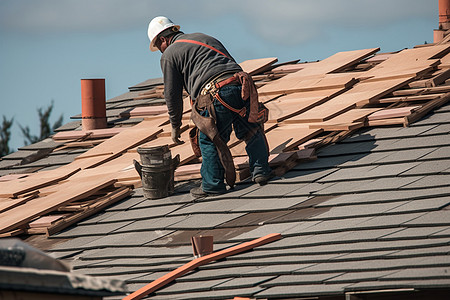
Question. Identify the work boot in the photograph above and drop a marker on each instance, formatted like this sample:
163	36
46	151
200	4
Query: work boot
199	193
262	179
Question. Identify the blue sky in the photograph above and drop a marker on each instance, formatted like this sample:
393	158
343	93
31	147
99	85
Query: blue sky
47	46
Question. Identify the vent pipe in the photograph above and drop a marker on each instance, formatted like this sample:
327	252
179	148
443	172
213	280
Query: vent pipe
444	14
93	104
444	21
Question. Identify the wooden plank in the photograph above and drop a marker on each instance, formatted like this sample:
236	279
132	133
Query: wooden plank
45	221
291	68
68	191
360	95
8	203
11	233
389	113
349	120
409	56
438	78
411	62
417	70
82	134
70	135
99	205
285	137
188	169
293	104
255	66
337	62
10	177
14	188
194	264
422	91
293	83
387	122
129	138
407	98
142	111
422	111
187	172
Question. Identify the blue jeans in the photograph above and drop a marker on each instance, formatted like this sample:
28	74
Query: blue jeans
212	170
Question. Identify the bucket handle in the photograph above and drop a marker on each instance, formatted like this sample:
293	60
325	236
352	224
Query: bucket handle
138	167
174	164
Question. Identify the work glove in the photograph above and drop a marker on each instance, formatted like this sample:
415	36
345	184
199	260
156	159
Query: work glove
176	134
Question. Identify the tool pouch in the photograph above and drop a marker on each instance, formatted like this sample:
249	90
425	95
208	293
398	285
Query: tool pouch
207	125
193	138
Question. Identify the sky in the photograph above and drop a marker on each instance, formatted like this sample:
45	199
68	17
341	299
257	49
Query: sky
48	46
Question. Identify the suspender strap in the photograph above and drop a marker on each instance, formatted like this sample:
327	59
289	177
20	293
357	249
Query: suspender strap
202	44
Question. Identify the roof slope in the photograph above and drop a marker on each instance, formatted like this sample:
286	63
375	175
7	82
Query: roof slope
370	213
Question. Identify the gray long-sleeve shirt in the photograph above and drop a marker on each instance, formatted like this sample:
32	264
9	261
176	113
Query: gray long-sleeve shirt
191	66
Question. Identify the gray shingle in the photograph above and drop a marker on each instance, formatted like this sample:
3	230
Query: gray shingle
358	210
302	290
220	205
204	221
439	153
326	162
429	204
419	274
436	218
388	220
437	118
209	274
275	228
293	279
420	142
217	294
126	239
428	168
306	176
93	229
47	143
242	282
148	225
137	252
188	287
272	190
365	159
141	213
438	129
404	155
421	232
430	181
256	205
348	174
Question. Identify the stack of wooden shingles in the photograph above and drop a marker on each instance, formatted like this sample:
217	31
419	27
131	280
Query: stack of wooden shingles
310	104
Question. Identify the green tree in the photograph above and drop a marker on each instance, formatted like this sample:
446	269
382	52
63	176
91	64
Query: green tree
45	128
5	136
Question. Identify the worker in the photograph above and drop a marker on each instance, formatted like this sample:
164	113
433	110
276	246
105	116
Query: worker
204	68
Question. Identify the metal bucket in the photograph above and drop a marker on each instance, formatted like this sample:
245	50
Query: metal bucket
157	171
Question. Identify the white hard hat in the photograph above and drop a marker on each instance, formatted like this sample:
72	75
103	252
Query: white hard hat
156	26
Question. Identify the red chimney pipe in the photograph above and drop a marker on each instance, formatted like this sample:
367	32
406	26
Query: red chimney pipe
93	104
444	14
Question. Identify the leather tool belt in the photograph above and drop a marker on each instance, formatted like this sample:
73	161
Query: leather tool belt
207	125
213	88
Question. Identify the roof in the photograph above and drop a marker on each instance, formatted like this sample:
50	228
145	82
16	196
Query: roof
360	145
